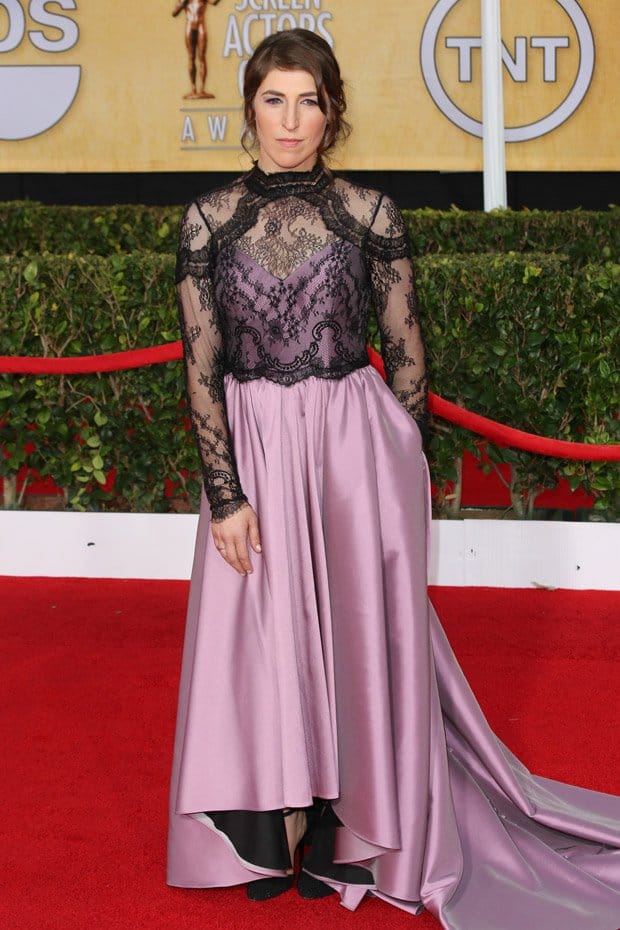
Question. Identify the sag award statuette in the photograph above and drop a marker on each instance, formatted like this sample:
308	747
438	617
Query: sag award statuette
195	43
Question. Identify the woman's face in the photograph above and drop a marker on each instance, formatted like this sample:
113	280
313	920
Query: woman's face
289	122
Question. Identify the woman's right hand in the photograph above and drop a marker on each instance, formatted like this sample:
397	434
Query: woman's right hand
231	535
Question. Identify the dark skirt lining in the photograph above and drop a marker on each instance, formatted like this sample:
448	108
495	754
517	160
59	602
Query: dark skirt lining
259	838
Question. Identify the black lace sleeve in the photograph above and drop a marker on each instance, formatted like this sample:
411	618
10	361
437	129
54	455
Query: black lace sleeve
396	303
204	371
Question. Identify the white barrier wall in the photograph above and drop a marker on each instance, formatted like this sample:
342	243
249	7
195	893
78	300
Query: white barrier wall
491	553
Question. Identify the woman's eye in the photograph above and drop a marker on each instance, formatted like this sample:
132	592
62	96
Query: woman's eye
311	102
273	100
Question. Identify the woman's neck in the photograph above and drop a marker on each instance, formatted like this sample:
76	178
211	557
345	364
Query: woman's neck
268	168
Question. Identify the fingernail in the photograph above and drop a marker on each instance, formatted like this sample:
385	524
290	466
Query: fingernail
259	548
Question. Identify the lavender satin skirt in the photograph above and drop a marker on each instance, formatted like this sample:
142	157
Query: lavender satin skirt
326	674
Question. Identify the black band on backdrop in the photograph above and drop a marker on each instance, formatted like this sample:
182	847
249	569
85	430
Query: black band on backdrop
563	190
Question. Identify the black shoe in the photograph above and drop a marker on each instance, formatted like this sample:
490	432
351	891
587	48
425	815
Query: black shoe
261	889
312	888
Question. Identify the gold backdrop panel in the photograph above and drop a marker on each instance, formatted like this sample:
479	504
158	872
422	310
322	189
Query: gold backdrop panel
117	86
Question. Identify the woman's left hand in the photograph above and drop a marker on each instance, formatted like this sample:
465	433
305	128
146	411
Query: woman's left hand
230	536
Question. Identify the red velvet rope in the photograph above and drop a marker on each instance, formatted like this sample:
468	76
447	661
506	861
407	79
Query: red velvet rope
90	364
490	429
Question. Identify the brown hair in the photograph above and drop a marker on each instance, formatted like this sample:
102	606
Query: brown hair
298	50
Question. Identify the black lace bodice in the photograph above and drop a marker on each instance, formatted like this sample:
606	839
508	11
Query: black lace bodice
275	276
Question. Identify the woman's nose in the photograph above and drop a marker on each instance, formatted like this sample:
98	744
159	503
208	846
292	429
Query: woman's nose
290	119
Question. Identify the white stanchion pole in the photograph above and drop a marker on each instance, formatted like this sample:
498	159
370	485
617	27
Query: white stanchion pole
494	143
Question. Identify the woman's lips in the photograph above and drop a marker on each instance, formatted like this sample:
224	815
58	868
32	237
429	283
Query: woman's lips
290	143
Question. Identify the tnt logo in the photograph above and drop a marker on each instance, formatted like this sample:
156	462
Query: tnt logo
33	98
548	54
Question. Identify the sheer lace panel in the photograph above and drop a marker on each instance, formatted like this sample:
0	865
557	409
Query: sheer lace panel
286	234
396	303
204	368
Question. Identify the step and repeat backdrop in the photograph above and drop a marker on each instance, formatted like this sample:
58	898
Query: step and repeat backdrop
112	85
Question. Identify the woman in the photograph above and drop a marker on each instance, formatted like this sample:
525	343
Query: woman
319	698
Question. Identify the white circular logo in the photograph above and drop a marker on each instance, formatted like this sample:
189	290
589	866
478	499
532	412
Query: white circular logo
33	98
534	130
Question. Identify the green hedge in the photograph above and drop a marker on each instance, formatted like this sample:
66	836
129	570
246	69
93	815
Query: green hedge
32	228
130	421
516	338
523	341
583	236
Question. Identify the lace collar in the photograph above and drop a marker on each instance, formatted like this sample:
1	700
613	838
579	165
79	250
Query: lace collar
287	183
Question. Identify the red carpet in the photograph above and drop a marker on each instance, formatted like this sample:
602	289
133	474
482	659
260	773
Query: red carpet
89	692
